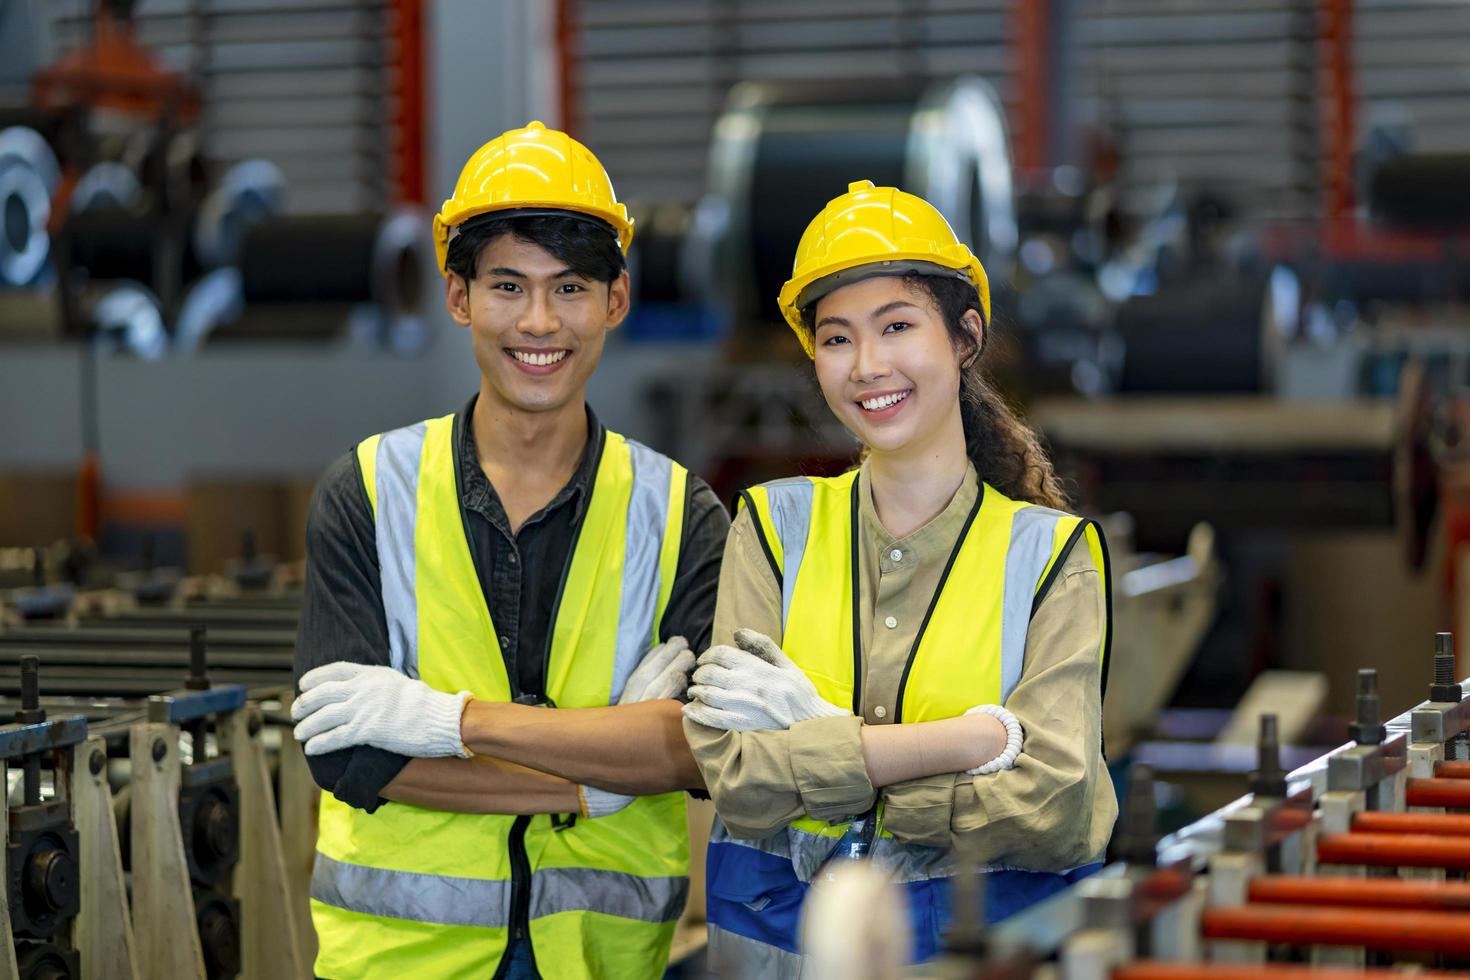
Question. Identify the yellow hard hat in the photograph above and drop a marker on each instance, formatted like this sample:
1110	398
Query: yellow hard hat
537	168
874	231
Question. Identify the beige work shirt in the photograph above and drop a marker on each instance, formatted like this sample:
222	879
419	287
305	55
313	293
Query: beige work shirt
1054	811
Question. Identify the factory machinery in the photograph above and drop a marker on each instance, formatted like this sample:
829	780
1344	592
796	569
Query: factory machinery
160	814
1352	865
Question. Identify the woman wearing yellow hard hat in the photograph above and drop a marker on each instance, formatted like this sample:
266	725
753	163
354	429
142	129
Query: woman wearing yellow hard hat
908	659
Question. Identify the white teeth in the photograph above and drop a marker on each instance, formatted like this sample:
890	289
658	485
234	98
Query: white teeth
538	360
883	401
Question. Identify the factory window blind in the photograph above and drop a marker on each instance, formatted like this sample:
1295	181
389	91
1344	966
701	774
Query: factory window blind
1195	90
304	83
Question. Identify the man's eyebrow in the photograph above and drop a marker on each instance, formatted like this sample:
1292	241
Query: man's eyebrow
501	270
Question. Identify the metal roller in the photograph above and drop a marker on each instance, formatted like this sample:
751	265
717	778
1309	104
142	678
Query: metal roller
106	185
249	192
1214	333
29	174
780	153
1422	192
129	320
211	302
365	269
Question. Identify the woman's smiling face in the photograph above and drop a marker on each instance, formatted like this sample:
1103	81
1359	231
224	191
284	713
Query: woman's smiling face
886	363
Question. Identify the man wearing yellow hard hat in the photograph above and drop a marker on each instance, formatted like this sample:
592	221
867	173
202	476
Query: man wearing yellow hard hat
909	657
496	626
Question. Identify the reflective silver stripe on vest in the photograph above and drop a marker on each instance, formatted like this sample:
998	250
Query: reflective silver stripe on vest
450	901
791	512
439	899
627	896
398	458
807	852
735	957
648	510
1033	530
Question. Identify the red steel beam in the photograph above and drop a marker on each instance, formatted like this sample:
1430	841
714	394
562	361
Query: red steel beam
409	61
1396	893
1373	822
1253	971
1453	793
568	95
1397	851
1032	49
1432	932
1340	103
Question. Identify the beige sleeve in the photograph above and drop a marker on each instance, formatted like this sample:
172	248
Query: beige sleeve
761	781
1054	810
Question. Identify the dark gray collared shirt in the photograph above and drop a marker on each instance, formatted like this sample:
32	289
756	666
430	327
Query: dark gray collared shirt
520	573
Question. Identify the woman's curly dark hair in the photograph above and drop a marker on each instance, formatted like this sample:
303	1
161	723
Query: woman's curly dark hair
1006	452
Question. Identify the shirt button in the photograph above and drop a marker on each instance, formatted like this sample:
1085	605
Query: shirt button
880	712
896	555
513	559
504	643
890	622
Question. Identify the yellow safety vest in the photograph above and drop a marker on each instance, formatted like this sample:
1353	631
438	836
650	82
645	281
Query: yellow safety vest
971	644
411	892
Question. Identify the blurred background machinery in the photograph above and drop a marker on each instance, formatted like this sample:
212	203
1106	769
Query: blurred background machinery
1229	247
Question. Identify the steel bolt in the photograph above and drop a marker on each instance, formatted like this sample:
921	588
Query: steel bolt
159	750
97	762
1366	730
1446	687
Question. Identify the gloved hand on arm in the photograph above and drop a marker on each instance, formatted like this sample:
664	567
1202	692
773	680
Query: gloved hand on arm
662	673
344	704
755	686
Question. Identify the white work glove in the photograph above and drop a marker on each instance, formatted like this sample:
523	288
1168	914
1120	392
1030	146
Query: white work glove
753	686
345	704
1007	758
600	802
662	673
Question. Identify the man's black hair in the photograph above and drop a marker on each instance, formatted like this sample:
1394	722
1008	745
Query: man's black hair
587	245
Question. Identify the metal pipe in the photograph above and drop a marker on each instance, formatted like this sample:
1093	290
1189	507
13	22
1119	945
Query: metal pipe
1396	851
1396	893
1375	822
1271	971
1435	932
1453	793
1452	770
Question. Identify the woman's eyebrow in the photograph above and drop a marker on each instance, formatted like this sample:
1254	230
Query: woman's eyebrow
890	307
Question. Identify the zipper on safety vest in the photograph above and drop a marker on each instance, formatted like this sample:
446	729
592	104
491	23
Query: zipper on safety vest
520	895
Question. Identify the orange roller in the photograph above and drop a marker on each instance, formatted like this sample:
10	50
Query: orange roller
1400	893
1396	850
1448	792
1453	770
1297	925
1271	971
1373	822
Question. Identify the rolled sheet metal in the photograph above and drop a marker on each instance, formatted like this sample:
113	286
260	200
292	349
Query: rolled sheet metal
781	152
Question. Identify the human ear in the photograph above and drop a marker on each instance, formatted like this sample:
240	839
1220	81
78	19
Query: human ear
971	324
457	298
619	300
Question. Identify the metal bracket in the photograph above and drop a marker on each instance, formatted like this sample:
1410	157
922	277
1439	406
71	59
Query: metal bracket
41	736
177	707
